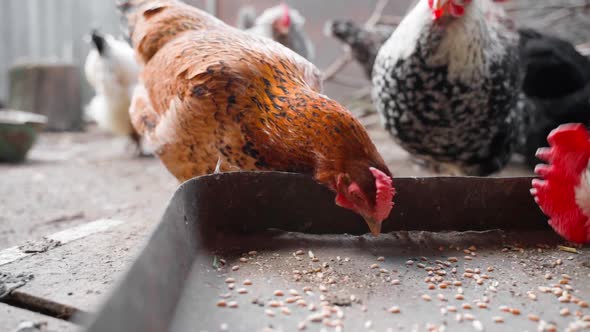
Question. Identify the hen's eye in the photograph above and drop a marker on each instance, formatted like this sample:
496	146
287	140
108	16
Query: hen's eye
356	195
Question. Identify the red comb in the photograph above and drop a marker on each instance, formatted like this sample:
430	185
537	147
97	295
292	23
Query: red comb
438	13
457	10
384	196
455	7
286	19
556	194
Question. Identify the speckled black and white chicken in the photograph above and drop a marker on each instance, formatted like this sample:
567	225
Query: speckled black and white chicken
280	23
364	42
446	85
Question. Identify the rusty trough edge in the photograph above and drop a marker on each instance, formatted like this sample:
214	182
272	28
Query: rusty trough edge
146	298
251	201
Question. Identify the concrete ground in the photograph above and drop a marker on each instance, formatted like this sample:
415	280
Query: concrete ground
70	180
73	179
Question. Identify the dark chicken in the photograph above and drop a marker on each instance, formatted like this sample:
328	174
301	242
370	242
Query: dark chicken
364	43
556	85
446	85
215	93
554	68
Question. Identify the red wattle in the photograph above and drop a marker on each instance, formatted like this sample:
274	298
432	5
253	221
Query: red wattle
457	10
343	202
438	13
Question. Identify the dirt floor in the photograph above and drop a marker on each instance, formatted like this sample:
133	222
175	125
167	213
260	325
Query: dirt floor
73	178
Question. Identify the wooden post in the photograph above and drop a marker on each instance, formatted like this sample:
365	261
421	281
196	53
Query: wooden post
52	90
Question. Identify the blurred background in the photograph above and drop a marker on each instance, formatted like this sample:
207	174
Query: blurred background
55	30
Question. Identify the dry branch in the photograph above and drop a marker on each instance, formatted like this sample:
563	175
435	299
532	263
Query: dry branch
390	20
377	13
337	65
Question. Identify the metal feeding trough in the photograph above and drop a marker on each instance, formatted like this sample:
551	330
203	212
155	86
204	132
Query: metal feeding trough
261	251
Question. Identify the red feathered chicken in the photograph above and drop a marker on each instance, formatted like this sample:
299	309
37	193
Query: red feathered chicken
564	193
214	93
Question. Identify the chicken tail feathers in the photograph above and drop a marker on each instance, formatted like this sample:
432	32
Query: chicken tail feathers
246	17
99	42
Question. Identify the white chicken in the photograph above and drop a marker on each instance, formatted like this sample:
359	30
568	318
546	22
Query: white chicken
281	24
112	71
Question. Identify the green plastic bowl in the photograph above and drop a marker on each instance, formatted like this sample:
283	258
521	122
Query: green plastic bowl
18	133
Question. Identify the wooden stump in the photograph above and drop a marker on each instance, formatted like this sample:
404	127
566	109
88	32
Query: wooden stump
52	90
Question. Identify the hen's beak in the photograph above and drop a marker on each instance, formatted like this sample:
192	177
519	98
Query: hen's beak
439	8
282	29
374	226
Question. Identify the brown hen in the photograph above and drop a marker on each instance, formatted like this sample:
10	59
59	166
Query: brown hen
214	93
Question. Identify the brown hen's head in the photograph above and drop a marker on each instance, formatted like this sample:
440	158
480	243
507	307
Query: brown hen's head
366	190
347	161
